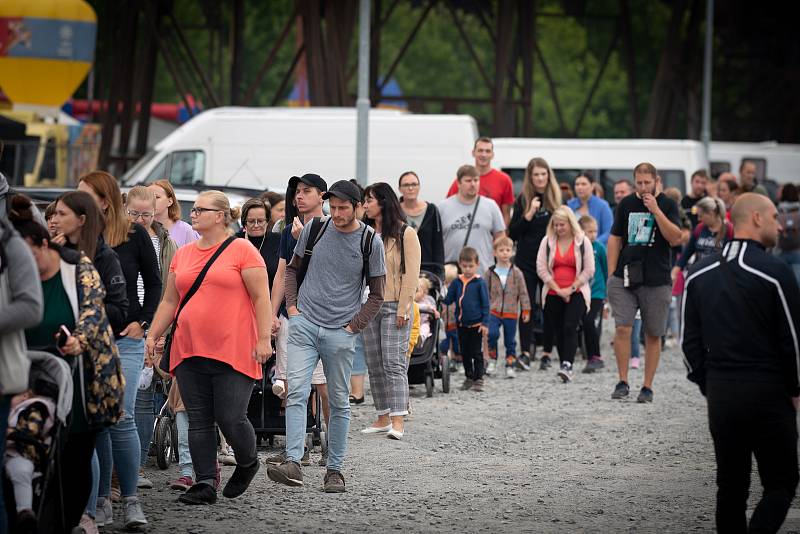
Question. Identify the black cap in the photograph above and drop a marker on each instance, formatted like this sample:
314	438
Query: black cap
345	190
314	180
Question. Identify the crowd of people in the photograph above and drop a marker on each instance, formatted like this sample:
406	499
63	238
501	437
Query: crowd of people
133	298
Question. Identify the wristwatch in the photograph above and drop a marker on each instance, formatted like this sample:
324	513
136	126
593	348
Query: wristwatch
144	324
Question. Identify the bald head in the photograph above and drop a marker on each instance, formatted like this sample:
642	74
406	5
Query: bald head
754	217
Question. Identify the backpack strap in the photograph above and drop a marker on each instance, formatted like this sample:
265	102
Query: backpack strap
318	228
367	235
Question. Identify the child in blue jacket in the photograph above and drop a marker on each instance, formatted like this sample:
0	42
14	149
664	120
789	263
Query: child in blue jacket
471	297
593	320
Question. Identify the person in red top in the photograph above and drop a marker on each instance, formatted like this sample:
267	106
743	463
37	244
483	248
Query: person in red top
221	340
565	263
495	184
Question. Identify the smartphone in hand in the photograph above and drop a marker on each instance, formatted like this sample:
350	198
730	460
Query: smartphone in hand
63	336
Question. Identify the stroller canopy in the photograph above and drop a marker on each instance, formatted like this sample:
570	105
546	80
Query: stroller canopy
56	371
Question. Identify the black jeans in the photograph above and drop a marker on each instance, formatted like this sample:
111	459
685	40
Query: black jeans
592	327
751	418
564	318
526	337
214	391
75	482
471	342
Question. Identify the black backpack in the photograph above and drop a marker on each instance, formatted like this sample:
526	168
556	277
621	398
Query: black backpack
318	227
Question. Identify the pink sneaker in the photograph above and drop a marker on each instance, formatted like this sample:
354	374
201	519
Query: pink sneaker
183	483
634	363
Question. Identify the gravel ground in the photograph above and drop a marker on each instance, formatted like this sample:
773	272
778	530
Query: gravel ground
527	455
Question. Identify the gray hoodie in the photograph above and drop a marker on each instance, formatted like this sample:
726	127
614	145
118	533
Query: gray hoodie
21	307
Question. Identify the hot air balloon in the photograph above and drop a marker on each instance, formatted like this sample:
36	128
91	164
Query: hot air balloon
46	50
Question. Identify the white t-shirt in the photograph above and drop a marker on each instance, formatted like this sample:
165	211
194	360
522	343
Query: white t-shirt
455	217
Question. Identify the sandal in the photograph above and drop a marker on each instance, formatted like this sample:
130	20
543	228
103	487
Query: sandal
354	400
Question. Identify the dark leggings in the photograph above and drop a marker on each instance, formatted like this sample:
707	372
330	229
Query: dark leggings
214	391
471	343
592	327
752	419
564	317
526	337
75	482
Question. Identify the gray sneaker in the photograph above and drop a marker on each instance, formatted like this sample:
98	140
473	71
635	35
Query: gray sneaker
134	516
306	459
466	385
334	482
621	390
323	461
276	459
104	515
143	482
288	473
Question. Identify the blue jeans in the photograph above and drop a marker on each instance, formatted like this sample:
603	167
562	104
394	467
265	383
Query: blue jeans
636	339
5	405
184	455
308	343
118	446
145	419
509	327
360	360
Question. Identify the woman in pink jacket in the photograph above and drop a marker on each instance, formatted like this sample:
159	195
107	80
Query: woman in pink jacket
565	264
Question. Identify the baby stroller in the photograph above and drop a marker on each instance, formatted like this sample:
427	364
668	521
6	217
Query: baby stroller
265	413
55	372
426	362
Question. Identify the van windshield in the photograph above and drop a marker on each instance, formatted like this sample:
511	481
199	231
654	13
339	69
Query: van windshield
130	174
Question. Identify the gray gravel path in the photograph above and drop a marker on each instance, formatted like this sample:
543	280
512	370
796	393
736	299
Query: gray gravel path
527	455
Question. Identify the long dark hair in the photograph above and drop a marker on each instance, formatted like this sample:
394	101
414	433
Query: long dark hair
392	215
82	203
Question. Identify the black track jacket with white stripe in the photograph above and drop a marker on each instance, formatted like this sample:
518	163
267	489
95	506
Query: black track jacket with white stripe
740	315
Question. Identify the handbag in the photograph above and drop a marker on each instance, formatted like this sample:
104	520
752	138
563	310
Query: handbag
164	364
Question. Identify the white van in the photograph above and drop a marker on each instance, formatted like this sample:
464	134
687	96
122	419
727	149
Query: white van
774	161
608	159
261	148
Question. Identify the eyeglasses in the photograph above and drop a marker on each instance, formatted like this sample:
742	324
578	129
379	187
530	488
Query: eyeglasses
255	222
199	211
409	186
143	214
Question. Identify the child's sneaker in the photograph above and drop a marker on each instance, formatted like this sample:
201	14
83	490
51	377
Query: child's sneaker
634	363
545	364
510	372
565	372
492	367
466	385
477	385
523	362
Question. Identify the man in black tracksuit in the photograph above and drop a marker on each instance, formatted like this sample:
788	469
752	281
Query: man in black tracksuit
741	312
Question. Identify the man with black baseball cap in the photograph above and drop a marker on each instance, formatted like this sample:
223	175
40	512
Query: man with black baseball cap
325	316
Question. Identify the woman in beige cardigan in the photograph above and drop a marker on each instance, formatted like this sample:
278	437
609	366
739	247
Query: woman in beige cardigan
565	264
386	337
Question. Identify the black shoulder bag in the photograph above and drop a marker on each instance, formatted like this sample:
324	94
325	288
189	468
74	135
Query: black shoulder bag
164	363
472	221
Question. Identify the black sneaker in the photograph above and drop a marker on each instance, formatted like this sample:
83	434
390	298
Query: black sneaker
565	372
466	385
595	363
288	473
240	479
621	390
645	395
199	494
334	482
477	385
545	364
525	360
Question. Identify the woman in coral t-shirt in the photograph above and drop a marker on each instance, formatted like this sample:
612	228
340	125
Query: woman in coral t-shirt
219	344
565	264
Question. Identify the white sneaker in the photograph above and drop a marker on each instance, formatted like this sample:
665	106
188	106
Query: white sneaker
134	516
492	367
510	372
279	389
88	525
565	372
104	515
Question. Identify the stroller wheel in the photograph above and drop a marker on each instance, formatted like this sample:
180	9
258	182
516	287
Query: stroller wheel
445	374
429	384
163	440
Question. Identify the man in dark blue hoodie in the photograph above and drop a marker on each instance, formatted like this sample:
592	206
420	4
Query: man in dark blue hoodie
471	296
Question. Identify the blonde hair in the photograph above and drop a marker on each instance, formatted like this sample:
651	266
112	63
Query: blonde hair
552	192
140	192
117	224
221	202
450	273
563	213
424	284
174	211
